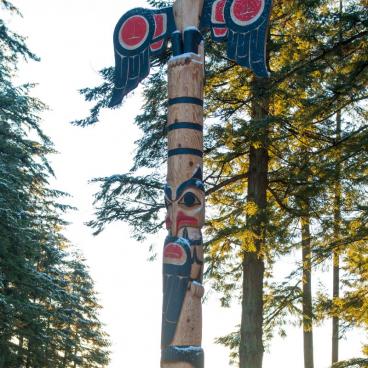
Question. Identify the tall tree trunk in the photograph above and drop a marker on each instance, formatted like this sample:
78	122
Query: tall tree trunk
47	359
28	359
6	334
336	255
4	350
307	290
335	319
76	346
251	343
337	223
20	351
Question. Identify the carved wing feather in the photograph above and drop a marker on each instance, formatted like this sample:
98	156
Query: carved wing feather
139	35
243	24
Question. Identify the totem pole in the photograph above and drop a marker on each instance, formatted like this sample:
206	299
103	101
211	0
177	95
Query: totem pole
140	35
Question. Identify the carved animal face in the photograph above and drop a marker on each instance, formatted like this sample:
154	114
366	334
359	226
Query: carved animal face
185	207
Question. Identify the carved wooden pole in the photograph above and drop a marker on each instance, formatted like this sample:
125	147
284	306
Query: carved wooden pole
184	195
139	35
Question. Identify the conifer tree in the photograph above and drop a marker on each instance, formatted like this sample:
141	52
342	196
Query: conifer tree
34	259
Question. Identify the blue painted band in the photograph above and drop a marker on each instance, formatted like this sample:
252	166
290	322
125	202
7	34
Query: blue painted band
188	100
183	125
185	151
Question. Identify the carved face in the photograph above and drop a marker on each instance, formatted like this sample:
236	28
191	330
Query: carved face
176	252
185	207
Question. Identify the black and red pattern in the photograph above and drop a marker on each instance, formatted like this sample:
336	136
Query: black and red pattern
143	33
243	25
139	35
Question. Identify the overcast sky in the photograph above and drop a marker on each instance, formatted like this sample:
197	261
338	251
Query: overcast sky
74	40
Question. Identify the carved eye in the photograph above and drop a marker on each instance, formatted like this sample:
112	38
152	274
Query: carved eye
134	32
190	200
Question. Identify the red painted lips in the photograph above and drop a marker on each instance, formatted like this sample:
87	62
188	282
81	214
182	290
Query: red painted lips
173	251
184	220
174	254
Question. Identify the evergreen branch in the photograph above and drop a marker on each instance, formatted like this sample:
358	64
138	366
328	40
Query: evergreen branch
226	182
286	299
323	54
352	363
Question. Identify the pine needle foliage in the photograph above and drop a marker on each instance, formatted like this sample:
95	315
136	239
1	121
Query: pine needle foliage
48	306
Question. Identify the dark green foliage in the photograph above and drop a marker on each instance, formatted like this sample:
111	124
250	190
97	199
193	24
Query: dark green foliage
115	194
47	303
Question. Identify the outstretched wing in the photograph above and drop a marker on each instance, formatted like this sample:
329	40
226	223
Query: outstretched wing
139	35
243	24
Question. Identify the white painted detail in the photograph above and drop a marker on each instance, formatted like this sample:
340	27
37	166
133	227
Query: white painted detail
196	283
191	28
196	349
186	55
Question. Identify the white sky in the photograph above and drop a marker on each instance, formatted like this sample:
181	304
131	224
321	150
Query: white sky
74	40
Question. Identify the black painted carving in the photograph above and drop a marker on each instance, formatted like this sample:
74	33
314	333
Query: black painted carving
184	125
175	284
185	99
177	43
195	181
192	39
246	38
193	355
185	151
139	35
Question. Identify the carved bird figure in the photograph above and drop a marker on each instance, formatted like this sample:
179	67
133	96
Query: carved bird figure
142	34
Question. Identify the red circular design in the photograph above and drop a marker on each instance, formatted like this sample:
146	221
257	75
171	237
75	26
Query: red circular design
134	32
245	11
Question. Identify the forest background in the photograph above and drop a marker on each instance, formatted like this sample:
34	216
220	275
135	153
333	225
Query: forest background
109	262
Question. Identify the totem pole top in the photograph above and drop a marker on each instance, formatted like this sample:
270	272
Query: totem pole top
142	34
187	13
